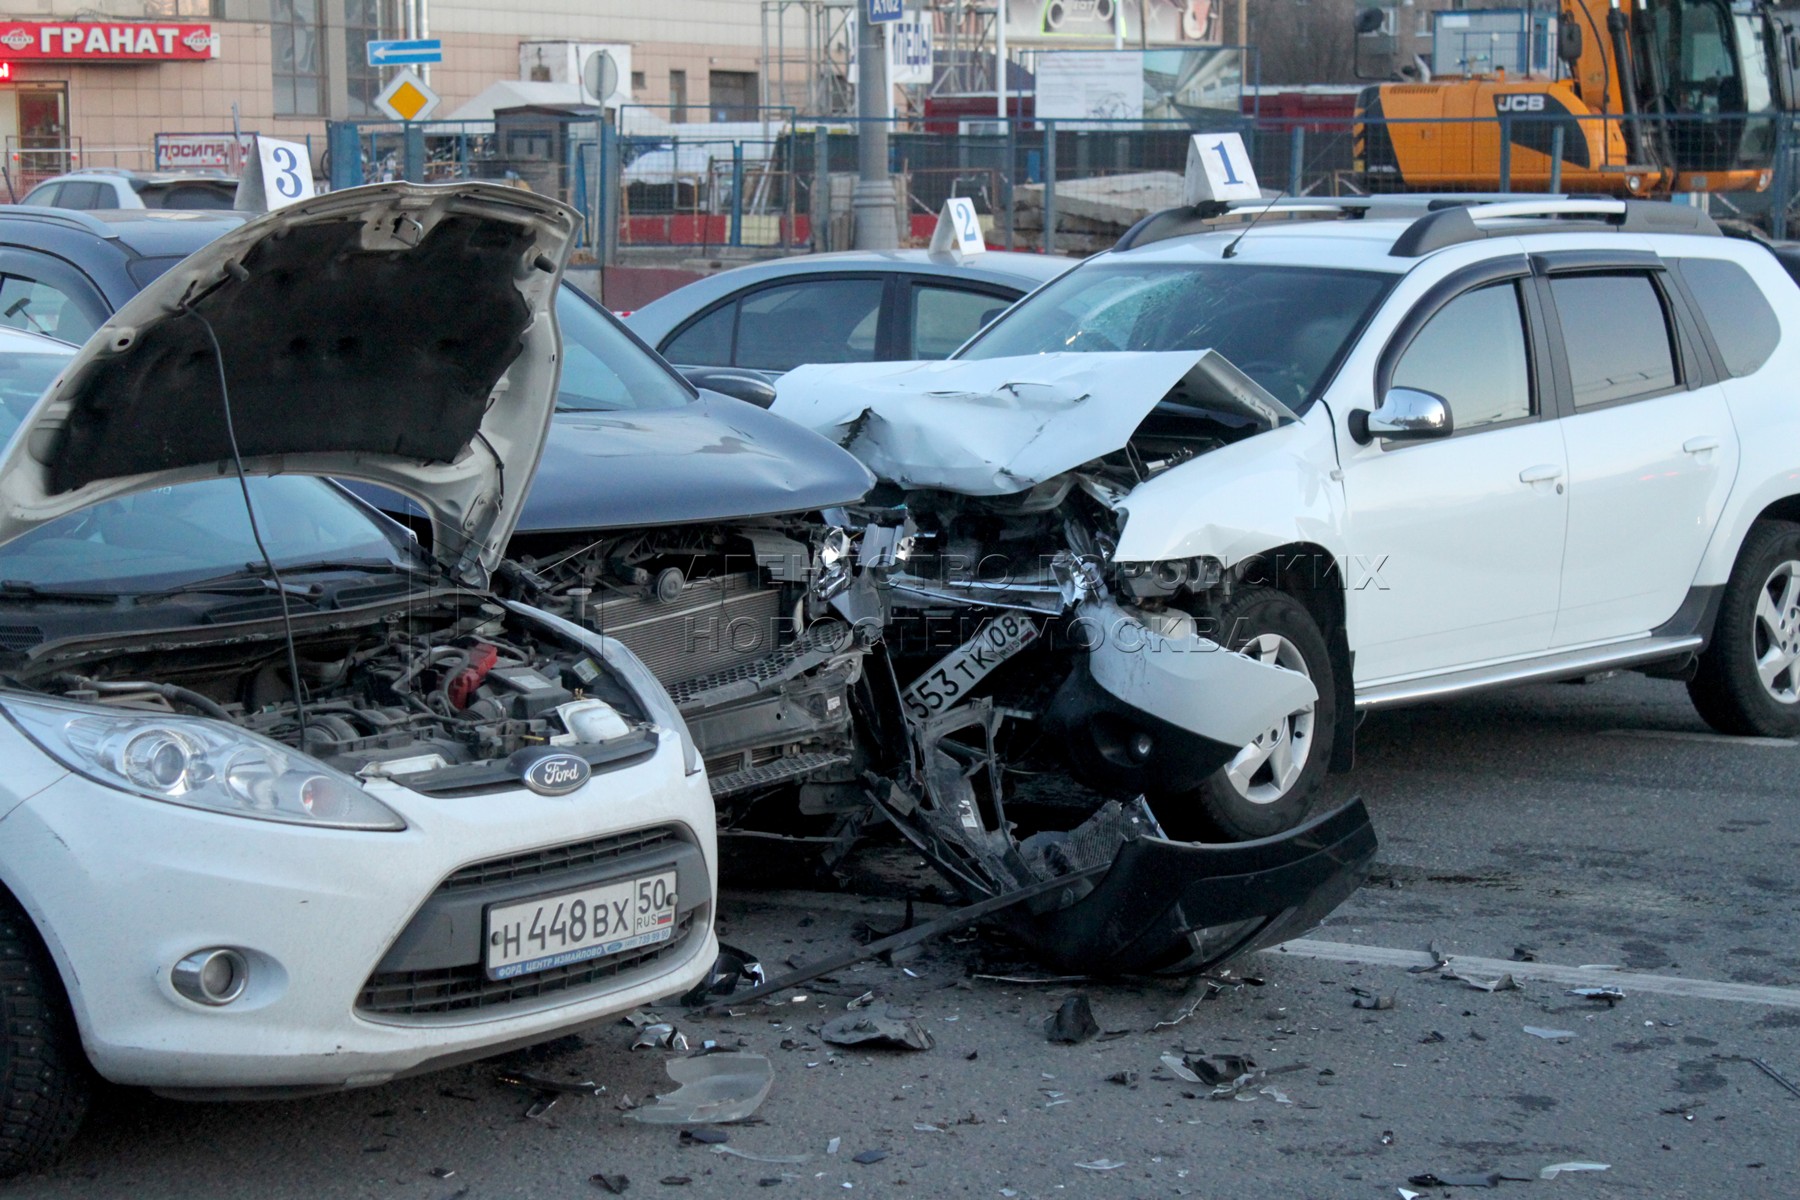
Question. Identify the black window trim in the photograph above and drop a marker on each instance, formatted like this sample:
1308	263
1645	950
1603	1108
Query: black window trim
1702	330
884	319
1692	369
9	253
1513	269
911	281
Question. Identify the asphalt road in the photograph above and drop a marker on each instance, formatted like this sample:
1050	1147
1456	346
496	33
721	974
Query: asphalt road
1594	824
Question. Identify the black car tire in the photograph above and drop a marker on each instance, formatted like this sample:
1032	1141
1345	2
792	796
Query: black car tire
1727	690
1274	621
45	1081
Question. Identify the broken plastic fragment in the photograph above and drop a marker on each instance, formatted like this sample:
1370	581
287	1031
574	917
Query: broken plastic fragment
1554	1035
862	1001
1100	1164
1555	1169
662	1035
1179	1069
728	969
1368	999
1125	1078
613	1184
867	1157
705	1137
676	1180
1438	961
544	1083
1611	995
1504	983
1483	1179
734	1152
1073	1022
715	1090
831	1147
896	1031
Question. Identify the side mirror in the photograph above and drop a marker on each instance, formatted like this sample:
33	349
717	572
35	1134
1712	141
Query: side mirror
1405	415
1568	40
734	382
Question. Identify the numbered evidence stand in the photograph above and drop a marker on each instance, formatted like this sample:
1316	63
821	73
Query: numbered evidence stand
278	174
958	229
1218	171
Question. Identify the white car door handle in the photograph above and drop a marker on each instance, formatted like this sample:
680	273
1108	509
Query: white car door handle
1542	473
1700	445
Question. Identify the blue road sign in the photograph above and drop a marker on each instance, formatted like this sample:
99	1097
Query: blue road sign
424	50
885	10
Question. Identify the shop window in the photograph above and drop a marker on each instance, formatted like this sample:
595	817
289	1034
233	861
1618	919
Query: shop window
677	97
184	8
637	83
362	25
298	68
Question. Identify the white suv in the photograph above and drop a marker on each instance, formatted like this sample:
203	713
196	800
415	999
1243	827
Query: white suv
1469	445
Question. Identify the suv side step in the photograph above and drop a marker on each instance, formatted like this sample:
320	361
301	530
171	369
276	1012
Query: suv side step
1552	666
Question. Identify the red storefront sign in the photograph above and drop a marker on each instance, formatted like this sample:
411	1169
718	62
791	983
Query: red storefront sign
106	41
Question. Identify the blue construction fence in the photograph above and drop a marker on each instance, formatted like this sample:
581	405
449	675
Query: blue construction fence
783	184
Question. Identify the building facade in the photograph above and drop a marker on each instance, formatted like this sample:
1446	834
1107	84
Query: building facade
86	84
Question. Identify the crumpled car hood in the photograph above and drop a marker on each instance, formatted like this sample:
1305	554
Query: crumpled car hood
994	427
397	334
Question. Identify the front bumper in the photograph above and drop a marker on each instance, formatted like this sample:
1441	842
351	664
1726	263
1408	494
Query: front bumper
123	887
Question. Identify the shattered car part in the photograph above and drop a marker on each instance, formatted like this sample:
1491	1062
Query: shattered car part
1157	905
1073	1022
898	1031
731	967
1555	1169
716	1089
660	1036
544	1083
1611	995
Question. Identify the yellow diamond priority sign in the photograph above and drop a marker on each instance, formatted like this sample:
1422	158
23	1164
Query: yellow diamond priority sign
407	98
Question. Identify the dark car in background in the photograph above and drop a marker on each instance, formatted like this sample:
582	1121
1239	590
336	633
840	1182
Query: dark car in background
115	187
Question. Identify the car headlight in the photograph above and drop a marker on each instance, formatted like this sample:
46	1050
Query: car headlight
199	763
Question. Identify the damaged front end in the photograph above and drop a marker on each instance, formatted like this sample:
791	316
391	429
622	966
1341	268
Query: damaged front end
1021	651
734	619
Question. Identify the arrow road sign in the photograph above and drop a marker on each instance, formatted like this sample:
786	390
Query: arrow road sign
391	53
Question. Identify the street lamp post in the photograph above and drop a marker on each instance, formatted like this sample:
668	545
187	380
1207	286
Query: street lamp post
872	203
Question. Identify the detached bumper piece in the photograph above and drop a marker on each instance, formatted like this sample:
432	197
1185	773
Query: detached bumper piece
1135	902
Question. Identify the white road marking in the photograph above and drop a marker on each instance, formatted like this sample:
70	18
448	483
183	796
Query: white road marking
1711	739
1628	981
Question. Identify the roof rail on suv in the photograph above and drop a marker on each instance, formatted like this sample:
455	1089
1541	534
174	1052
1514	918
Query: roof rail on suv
1453	226
1179	222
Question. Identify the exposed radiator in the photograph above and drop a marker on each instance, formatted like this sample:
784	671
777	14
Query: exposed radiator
714	625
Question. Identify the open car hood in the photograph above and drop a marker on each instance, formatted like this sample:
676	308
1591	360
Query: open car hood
398	334
997	426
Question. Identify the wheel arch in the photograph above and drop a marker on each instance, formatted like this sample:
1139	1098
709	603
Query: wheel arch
1314	576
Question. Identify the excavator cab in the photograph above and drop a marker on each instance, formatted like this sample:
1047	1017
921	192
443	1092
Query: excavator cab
1705	65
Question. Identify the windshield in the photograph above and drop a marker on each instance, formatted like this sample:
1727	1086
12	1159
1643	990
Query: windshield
1285	327
168	536
604	369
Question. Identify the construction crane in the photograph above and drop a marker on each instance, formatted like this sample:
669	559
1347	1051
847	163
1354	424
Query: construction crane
1651	97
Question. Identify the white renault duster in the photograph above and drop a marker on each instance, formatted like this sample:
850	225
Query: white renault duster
1405	455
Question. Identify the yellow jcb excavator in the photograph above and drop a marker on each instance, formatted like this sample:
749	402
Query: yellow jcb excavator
1652	97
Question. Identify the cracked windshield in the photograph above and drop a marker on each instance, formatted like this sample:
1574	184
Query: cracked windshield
1285	327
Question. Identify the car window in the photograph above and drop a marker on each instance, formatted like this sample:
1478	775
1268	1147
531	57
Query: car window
44	195
1285	327
171	535
42	307
810	321
1742	323
86	194
943	318
23	379
1616	335
707	342
208	196
1473	353
604	369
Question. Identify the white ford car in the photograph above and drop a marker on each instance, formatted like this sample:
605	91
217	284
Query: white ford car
1405	455
288	804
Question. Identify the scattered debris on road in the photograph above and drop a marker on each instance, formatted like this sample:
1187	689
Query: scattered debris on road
1072	1023
1551	1035
1370	1000
716	1089
1555	1169
894	1031
1611	995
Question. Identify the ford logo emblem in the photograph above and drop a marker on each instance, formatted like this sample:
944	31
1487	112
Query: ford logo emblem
556	774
